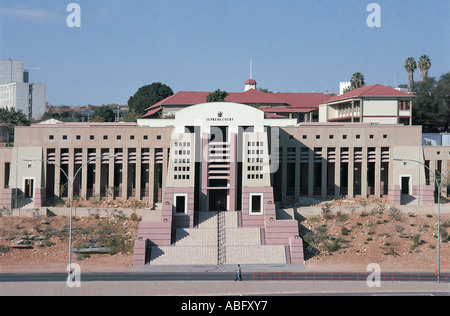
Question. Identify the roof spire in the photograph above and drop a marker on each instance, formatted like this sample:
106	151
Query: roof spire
251	69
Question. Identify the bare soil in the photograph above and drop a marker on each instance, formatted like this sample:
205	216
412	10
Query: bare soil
348	242
52	254
351	241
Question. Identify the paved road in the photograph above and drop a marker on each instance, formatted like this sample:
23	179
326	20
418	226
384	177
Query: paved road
223	276
276	280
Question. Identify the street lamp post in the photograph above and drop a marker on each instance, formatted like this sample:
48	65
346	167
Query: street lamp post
71	195
439	187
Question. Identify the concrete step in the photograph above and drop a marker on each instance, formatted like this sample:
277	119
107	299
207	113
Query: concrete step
263	254
194	246
196	237
242	236
172	255
209	219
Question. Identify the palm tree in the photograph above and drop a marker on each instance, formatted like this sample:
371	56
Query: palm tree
410	67
357	81
424	64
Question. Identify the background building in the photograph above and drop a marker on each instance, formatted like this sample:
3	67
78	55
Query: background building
370	104
18	93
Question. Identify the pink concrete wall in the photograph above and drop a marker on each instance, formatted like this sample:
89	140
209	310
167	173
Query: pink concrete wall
426	194
268	206
6	198
394	194
296	250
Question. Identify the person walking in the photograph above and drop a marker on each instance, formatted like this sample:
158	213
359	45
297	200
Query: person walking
238	273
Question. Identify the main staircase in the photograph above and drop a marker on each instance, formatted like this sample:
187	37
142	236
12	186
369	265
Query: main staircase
217	240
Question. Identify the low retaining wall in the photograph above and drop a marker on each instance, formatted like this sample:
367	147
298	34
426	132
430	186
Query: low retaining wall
416	209
146	214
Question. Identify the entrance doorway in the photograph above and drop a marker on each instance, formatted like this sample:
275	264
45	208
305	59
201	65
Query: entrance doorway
29	188
405	185
218	200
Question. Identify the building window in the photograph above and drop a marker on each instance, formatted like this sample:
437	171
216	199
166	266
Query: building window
78	137
64	137
256	205
384	135
344	136
158	136
91	137
131	137
119	137
330	136
317	136
51	137
303	136
180	204
145	137
358	136
371	136
105	137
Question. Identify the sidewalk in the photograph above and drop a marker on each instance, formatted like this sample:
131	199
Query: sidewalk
246	268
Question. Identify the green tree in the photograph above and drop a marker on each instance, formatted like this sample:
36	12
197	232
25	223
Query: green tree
103	113
443	99
13	118
147	96
424	65
431	106
265	90
357	81
410	67
217	96
131	116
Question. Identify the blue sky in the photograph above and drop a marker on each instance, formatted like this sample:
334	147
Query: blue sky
204	45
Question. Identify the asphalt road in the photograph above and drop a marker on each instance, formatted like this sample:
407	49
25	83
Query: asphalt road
222	276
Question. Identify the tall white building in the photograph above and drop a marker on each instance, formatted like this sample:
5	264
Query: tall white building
16	92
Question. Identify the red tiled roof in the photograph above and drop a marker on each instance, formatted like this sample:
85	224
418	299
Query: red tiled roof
254	96
300	102
288	109
273	115
376	90
250	81
303	99
153	111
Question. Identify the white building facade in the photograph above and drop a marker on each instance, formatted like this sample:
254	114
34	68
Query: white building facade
17	93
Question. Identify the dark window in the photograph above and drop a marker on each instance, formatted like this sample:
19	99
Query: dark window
256	203
180	204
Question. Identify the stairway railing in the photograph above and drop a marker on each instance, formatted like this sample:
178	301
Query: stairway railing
221	238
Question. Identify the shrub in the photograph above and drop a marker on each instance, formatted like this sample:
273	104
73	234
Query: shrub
345	231
134	217
326	211
395	213
340	217
444	234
